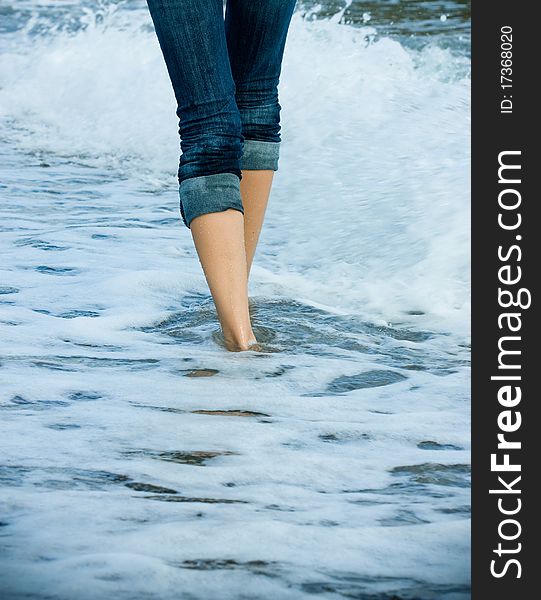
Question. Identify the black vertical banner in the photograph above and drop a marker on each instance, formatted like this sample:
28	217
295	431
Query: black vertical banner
506	244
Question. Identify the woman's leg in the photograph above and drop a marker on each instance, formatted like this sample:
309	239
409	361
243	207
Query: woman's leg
256	36
219	240
192	37
255	188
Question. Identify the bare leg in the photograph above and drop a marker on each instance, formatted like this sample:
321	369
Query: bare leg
226	242
255	187
219	241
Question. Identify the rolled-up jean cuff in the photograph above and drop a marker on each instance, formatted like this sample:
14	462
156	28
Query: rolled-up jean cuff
260	156
207	194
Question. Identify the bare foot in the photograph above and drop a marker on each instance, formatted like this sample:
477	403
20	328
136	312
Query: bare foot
241	346
234	344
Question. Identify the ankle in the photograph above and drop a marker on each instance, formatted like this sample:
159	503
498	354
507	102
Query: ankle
239	342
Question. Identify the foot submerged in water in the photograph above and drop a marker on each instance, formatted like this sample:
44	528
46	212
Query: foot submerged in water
254	346
234	345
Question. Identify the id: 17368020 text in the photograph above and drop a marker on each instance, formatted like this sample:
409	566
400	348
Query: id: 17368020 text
506	69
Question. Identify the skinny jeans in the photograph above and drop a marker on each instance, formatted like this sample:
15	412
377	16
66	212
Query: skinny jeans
225	68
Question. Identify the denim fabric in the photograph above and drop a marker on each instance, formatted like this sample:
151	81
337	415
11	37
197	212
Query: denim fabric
225	73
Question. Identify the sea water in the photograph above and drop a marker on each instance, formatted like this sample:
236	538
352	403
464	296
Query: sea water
139	459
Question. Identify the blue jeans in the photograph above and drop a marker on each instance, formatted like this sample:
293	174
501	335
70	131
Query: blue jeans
225	74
